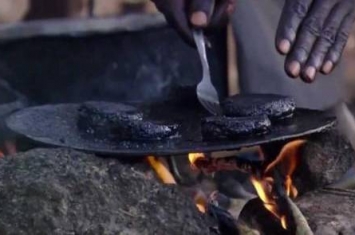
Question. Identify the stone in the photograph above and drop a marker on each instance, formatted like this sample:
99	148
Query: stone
329	212
61	191
325	158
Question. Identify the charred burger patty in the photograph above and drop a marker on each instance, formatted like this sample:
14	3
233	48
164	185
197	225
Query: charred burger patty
275	107
220	127
123	122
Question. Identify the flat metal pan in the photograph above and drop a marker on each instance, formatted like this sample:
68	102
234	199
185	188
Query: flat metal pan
56	125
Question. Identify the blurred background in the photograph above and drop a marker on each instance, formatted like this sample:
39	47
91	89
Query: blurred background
12	11
18	10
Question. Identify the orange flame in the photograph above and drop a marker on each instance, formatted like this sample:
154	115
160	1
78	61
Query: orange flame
167	178
269	202
162	172
288	157
200	201
283	222
193	157
286	161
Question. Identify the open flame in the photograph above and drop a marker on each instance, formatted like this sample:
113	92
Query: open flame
261	177
161	170
198	161
286	162
194	157
267	198
200	201
167	178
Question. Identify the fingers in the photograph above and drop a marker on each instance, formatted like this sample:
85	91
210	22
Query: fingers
223	9
186	14
313	34
210	13
294	11
309	31
334	54
175	14
325	41
201	12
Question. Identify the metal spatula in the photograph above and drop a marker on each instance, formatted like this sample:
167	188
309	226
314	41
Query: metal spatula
206	92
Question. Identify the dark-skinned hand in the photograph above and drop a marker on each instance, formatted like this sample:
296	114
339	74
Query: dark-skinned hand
312	34
187	14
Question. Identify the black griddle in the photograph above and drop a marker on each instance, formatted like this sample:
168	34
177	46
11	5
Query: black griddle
56	125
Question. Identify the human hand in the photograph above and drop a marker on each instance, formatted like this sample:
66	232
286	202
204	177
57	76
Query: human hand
186	14
312	34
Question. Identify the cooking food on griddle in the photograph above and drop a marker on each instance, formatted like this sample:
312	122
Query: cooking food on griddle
121	122
276	107
220	127
99	118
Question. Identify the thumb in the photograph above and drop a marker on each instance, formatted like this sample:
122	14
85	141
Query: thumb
201	12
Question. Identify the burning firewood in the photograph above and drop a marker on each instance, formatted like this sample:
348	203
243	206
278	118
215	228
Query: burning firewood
162	172
301	224
227	224
254	215
261	174
272	177
210	165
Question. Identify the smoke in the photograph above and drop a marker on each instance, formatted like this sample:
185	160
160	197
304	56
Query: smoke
150	84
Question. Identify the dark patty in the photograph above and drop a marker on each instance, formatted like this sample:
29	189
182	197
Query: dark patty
220	127
276	107
120	122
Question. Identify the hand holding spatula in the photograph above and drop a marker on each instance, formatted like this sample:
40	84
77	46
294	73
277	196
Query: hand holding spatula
185	15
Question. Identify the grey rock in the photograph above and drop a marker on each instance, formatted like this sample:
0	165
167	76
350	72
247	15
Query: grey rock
325	158
329	212
60	191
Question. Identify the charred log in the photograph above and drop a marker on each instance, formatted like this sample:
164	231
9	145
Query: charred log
226	223
256	216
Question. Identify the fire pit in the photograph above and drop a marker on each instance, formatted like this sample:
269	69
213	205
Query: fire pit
270	174
271	171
